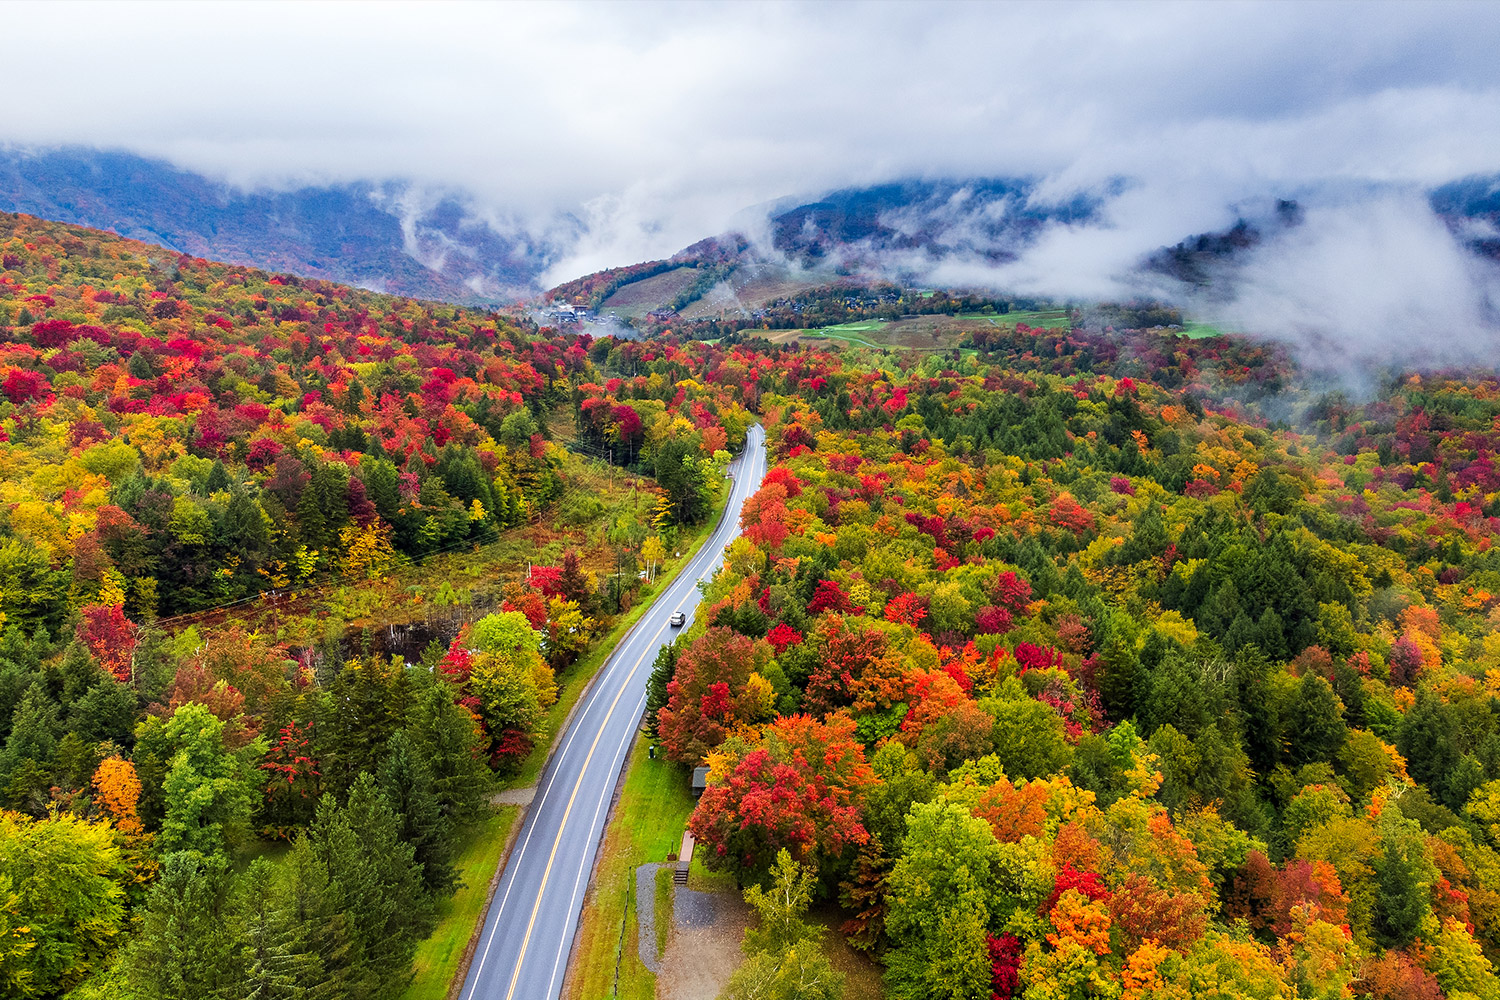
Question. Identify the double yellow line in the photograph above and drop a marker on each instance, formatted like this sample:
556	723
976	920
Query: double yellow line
562	826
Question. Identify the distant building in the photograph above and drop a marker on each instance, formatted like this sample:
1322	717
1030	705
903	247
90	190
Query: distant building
700	780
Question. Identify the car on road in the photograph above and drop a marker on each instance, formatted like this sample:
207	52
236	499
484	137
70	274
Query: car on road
678	619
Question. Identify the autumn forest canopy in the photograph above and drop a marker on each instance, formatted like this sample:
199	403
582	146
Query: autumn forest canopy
1074	660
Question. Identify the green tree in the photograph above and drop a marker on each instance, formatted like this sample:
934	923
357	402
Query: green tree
1404	877
662	669
376	882
406	783
26	764
208	788
780	908
939	905
445	736
800	972
784	960
61	886
190	940
1427	739
1030	738
685	480
1315	726
277	965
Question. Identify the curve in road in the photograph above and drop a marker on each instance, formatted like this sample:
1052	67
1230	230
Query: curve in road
529	929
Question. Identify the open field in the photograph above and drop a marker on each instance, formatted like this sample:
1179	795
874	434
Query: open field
438	957
936	332
640	297
1051	319
1199	331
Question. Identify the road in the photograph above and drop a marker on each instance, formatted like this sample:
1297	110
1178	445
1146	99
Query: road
529	930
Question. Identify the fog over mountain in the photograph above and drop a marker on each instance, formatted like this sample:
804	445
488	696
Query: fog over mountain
1042	148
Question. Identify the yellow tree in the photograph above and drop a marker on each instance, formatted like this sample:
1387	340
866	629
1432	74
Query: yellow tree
654	553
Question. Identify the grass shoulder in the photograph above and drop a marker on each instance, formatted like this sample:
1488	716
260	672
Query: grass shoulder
437	959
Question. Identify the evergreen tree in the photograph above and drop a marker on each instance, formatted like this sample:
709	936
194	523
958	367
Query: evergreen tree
1315	728
373	878
218	479
277	966
662	670
1426	740
26	763
1403	875
1259	712
190	941
323	949
407	784
444	734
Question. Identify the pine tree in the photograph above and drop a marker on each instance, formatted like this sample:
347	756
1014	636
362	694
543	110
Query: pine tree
323	947
26	763
662	670
1259	713
190	940
312	529
450	742
1426	740
1402	877
375	880
218	479
1315	729
276	966
407	785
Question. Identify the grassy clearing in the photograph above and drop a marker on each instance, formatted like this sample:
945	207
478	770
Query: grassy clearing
1051	319
646	826
437	958
1199	331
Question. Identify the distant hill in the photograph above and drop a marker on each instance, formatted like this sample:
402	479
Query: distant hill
989	218
364	234
864	235
1471	208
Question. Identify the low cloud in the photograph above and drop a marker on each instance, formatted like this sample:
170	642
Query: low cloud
600	135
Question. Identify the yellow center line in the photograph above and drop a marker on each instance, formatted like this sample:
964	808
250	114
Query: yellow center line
561	828
568	811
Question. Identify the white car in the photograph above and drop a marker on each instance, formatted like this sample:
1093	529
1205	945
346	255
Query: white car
677	620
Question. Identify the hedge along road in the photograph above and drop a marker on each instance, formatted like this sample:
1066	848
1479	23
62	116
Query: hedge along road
529	929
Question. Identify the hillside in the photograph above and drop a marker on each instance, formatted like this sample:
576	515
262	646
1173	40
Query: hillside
1042	654
375	235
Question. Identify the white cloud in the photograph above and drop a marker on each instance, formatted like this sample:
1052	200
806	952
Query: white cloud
629	131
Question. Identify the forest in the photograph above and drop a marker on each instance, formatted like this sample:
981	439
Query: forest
1081	662
199	797
1064	683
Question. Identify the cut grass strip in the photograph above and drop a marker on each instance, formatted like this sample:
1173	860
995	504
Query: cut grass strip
646	825
437	958
663	908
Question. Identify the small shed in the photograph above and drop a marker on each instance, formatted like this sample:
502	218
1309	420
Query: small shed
700	780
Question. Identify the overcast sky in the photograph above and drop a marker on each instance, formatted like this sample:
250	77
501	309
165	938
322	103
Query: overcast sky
656	124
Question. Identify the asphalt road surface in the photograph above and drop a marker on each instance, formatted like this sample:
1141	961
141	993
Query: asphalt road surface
528	932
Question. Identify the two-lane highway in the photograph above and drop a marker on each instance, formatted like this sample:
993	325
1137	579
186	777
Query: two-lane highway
529	930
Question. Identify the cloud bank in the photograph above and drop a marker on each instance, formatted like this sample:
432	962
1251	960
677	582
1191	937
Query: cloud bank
623	132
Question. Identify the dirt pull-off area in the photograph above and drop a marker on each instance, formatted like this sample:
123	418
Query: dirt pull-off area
704	947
